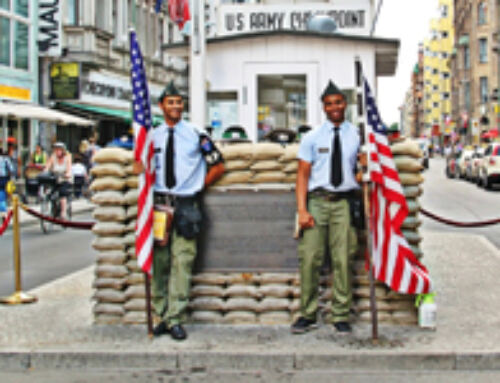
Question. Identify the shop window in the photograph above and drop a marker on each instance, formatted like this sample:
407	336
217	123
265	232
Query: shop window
281	102
21	33
4	41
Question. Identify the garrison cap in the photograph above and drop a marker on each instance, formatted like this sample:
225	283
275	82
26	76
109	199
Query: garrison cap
170	90
331	89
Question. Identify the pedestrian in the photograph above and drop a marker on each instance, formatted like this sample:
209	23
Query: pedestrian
6	171
186	161
39	157
91	151
79	172
15	160
326	184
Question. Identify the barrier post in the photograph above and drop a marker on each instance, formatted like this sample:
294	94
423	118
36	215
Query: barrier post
18	297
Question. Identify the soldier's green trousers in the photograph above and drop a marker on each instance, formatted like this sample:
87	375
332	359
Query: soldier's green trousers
332	228
172	268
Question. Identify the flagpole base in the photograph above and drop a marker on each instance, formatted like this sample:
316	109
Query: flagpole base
18	298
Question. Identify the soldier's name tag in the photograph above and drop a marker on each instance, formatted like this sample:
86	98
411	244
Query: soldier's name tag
323	150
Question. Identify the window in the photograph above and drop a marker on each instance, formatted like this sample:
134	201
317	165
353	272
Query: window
481	13
435	104
483	89
72	14
483	50
467	95
14	34
444	11
435	87
444	34
100	15
446	96
466	58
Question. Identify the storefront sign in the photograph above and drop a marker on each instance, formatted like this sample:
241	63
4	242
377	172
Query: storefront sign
351	18
65	81
49	28
15	93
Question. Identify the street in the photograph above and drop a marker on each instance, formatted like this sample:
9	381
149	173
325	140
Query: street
45	257
458	200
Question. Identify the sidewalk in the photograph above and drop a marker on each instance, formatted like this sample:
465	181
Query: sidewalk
57	332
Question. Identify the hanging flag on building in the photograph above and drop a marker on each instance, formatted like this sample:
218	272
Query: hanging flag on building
158	5
178	11
394	263
143	152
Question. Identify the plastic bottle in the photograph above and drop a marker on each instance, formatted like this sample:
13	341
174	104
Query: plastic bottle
427	311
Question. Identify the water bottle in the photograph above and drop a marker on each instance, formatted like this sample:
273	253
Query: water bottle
427	311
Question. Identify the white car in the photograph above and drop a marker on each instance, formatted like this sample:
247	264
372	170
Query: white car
472	170
463	161
489	172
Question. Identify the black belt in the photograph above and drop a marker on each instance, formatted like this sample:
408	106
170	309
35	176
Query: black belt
332	196
170	199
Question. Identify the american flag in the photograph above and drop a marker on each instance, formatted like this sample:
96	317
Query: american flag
143	152
394	262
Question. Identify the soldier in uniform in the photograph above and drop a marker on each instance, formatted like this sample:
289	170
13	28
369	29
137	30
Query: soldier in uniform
186	162
326	181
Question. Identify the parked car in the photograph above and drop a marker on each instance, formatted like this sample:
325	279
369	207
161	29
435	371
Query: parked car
472	170
463	161
451	165
489	172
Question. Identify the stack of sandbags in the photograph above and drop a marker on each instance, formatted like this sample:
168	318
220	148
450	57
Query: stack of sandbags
109	187
260	163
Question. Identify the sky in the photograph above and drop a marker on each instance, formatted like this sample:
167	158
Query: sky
408	21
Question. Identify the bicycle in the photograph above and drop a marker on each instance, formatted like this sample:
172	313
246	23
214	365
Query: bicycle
50	200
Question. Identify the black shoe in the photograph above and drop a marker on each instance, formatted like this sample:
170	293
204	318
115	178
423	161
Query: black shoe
303	325
160	329
177	332
342	327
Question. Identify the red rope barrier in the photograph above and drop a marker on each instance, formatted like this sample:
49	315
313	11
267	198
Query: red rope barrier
459	224
6	221
74	225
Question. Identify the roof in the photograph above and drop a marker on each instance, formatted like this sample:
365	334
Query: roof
36	112
386	49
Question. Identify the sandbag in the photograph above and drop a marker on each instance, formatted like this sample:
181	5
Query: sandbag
408	164
107	183
326	295
133	266
275	317
241	304
243	291
364	305
273	304
113	257
411	223
395	296
135	291
109	213
209	279
268	165
291	167
402	305
268	177
412	191
267	151
239	177
407	147
129	239
275	290
412	237
130	227
110	271
108	169
364	292
207	291
295	291
237	151
109	296
133	182
108	197
242	278
109	283
135	279
113	154
135	304
410	179
240	317
290	178
108	243
132	213
135	317
106	319
404	317
234	165
382	316
413	206
131	197
129	170
206	317
268	278
294	305
290	153
108	228
109	309
207	304
131	251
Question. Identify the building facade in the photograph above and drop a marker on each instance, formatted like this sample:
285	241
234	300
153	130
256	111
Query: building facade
417	86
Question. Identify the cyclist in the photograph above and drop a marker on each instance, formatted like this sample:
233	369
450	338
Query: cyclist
59	163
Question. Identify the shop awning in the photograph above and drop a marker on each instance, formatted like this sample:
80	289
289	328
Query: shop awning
40	113
119	114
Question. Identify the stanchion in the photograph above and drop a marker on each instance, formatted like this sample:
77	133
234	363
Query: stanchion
19	297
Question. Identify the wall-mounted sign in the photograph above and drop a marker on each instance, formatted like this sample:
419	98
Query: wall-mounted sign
352	18
15	93
49	28
65	81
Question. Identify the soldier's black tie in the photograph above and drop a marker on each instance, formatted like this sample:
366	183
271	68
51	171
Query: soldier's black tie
169	160
336	172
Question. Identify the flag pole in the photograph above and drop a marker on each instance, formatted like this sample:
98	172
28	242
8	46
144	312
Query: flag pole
366	192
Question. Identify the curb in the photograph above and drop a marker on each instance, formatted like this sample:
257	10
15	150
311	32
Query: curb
198	361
